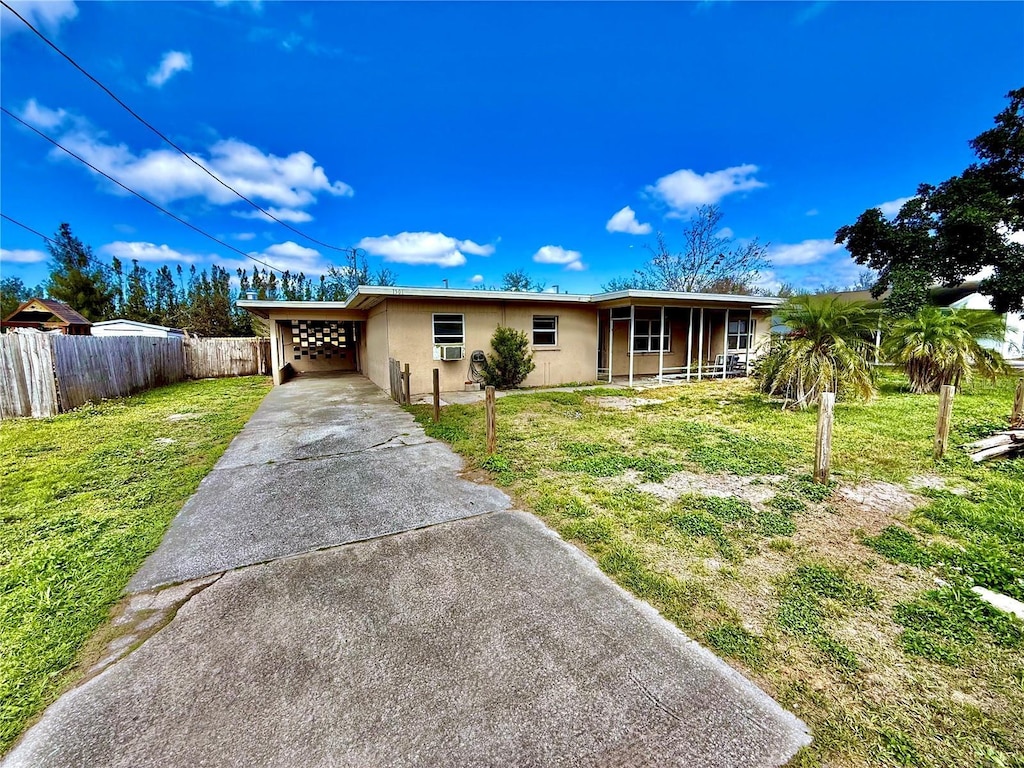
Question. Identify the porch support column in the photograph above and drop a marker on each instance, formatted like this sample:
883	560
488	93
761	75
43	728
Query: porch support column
632	317
661	348
700	346
275	352
689	345
750	340
611	338
725	344
878	338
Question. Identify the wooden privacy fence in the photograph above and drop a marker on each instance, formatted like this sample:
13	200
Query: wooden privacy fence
45	374
221	357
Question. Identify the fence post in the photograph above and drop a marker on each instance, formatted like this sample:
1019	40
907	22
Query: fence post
823	438
1017	416
492	437
943	421
408	389
437	395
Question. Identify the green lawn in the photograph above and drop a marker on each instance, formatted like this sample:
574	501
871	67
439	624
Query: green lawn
84	497
850	604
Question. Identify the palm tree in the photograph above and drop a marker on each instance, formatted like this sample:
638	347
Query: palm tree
943	346
825	349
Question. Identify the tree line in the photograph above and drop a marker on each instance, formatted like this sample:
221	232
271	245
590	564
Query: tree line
200	301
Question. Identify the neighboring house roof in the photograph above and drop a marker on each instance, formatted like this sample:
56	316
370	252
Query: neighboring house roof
58	309
136	324
366	296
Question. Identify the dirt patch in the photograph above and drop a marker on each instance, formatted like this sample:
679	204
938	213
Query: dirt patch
623	403
935	483
877	500
757	489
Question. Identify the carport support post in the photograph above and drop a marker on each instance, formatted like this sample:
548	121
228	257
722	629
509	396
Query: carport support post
437	396
823	438
944	418
700	346
492	427
405	382
275	353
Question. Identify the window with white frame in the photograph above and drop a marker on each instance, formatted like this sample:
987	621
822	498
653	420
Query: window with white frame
649	336
740	333
545	330
449	329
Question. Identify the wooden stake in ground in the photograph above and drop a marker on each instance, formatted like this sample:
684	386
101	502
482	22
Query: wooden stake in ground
1017	415
492	431
823	439
437	396
408	391
942	423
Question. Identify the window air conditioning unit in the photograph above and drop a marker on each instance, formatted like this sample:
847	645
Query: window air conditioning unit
451	352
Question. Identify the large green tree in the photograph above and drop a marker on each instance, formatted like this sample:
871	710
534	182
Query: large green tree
947	233
77	278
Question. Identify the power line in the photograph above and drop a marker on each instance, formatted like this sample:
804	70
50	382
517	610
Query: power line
139	195
189	157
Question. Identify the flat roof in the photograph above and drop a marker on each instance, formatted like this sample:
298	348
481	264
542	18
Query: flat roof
366	296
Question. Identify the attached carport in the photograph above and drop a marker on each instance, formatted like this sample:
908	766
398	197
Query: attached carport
312	336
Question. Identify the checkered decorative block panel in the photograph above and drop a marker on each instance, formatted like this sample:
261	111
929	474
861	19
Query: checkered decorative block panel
314	339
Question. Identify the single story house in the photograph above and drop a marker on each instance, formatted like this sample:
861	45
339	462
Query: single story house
122	327
47	315
573	337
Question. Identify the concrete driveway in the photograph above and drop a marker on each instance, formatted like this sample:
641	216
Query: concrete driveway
350	601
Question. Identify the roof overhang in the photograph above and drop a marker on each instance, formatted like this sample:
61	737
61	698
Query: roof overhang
367	296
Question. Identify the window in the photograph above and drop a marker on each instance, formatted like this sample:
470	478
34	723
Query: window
648	336
545	330
739	335
449	329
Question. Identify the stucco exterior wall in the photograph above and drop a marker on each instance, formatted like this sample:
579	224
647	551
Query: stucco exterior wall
375	365
410	333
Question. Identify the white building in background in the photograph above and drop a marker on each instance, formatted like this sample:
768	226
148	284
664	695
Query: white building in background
1012	345
122	327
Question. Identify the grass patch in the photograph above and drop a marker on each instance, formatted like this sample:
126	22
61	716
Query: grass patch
790	588
86	496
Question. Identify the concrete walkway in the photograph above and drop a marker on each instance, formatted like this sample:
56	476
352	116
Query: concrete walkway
452	632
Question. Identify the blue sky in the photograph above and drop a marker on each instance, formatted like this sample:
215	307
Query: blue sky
460	141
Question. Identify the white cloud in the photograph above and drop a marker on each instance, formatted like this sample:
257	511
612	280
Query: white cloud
284	214
22	256
423	248
812	212
892	207
290	183
244	235
685	189
126	251
725	233
171	64
45	14
556	254
476	279
41	117
282	256
474	249
625	221
807	252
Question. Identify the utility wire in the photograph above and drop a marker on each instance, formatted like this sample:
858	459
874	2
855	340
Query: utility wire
189	157
139	195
